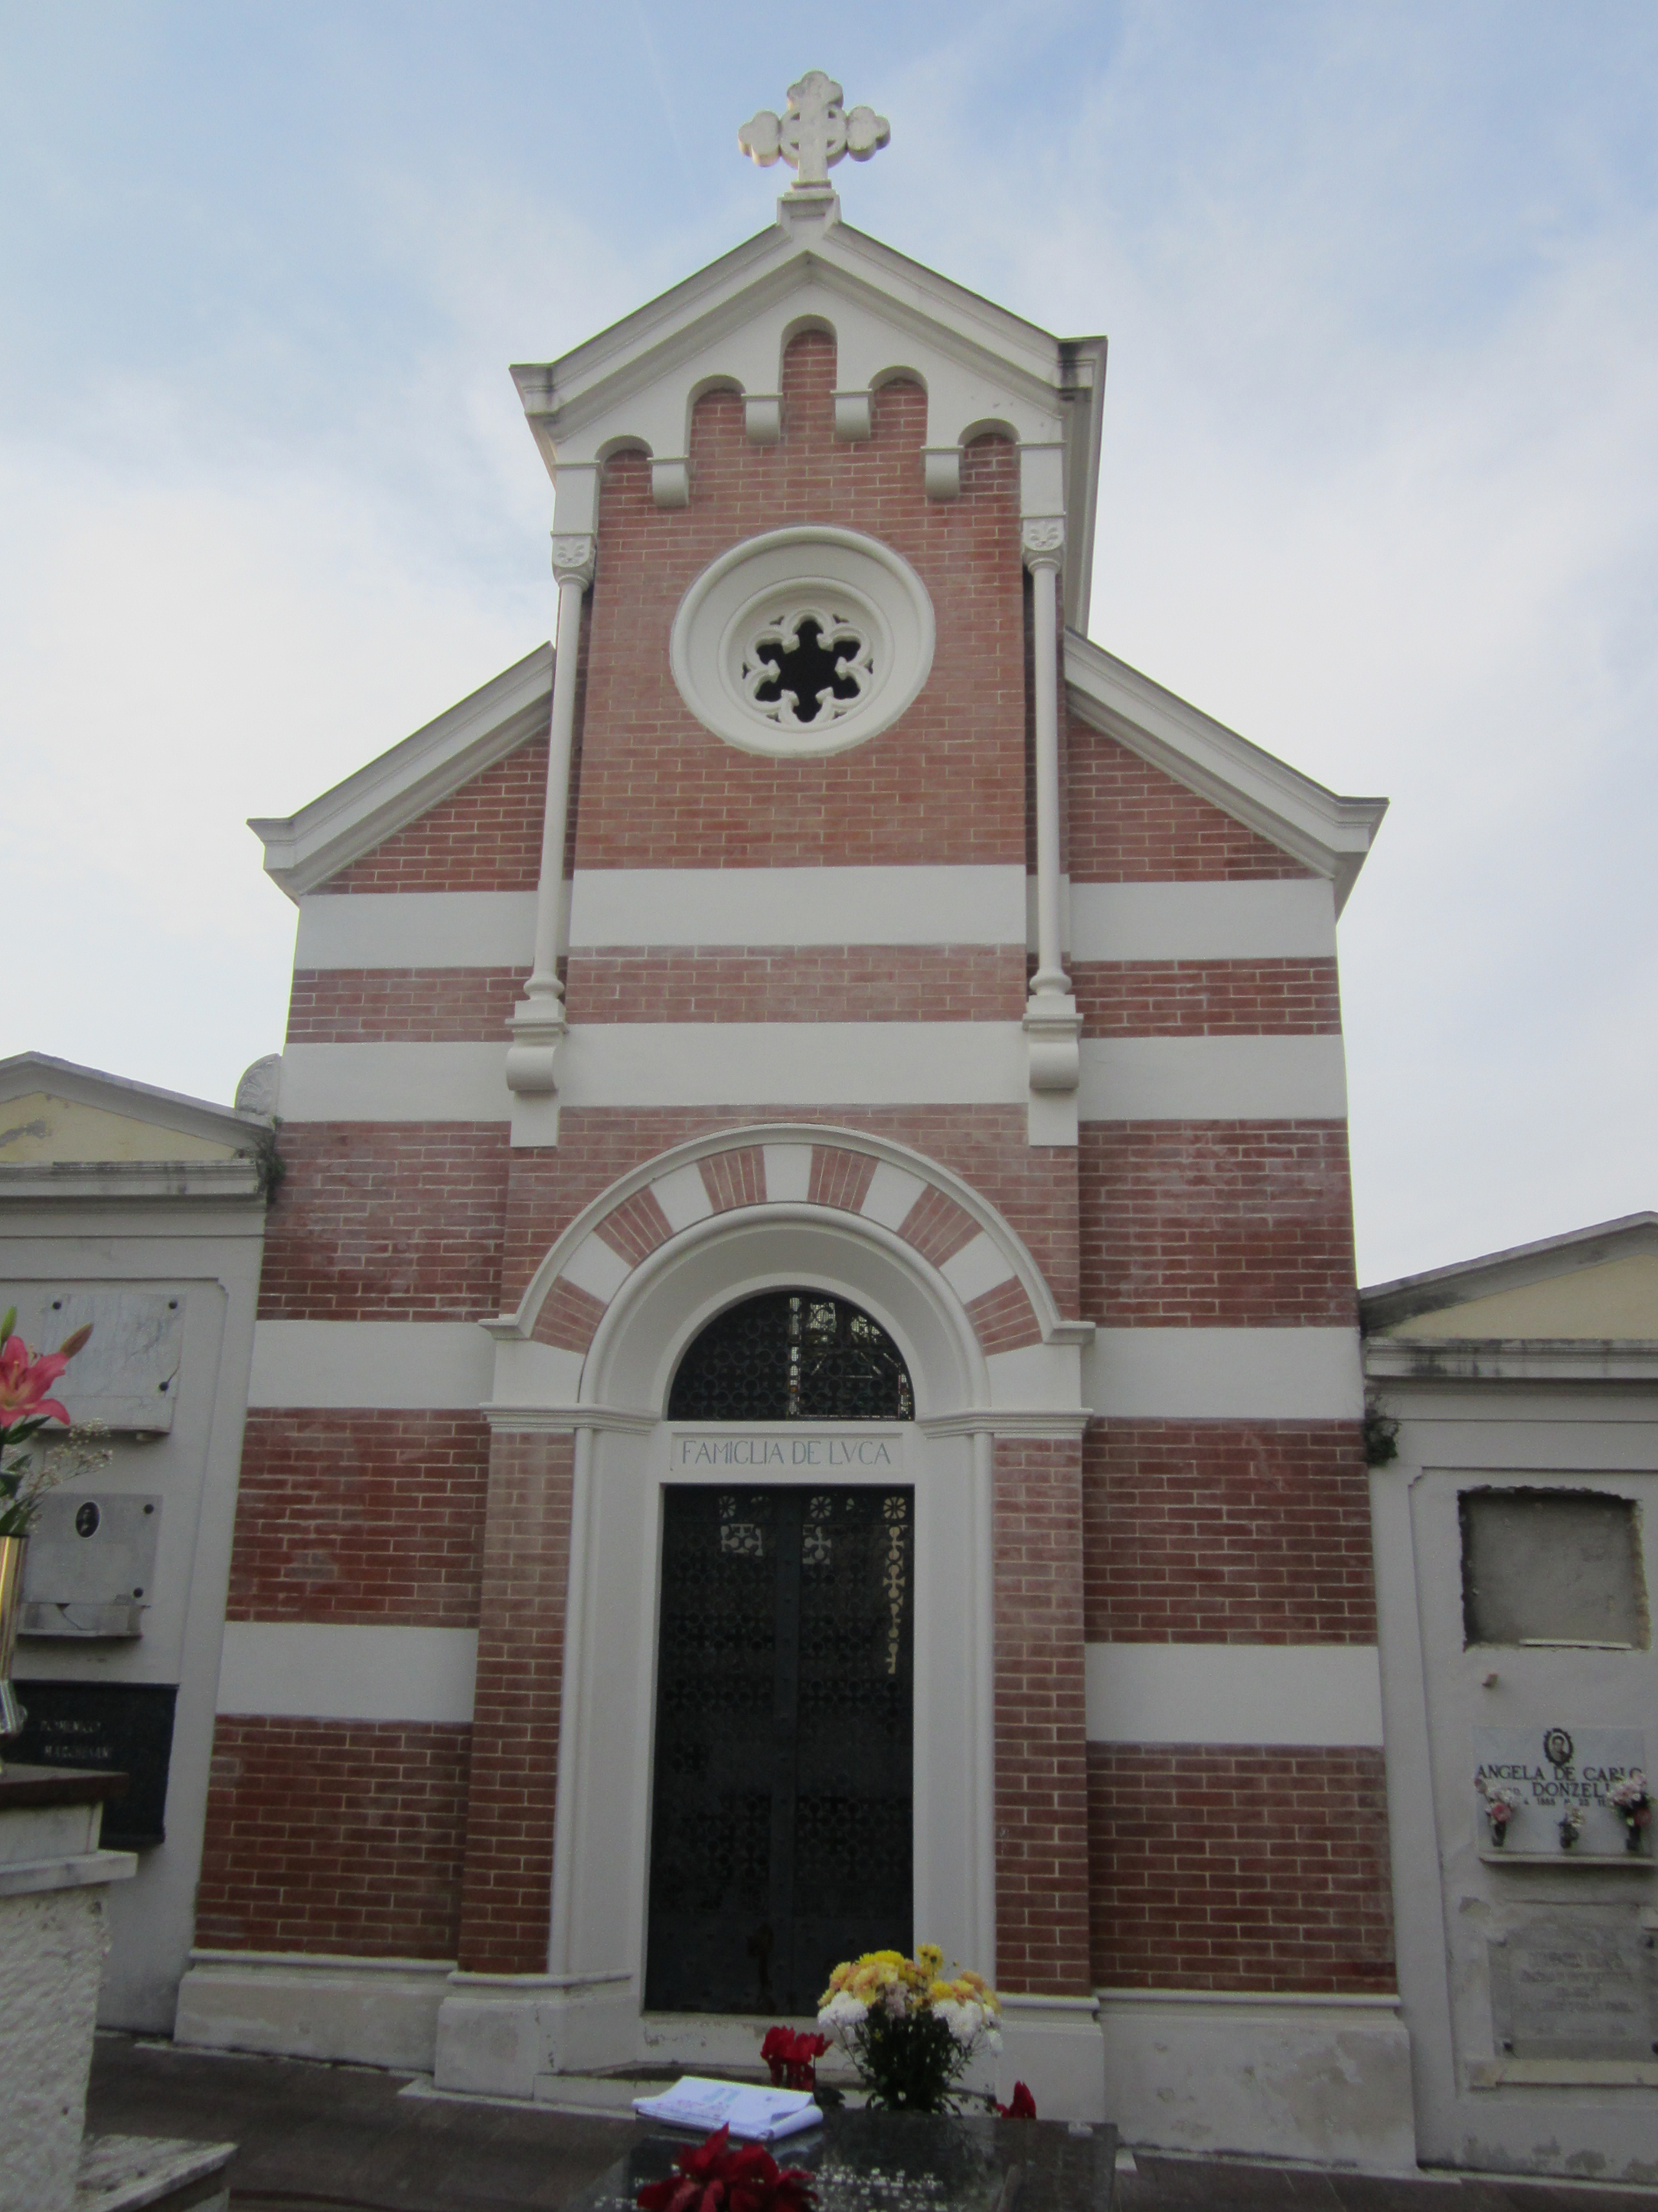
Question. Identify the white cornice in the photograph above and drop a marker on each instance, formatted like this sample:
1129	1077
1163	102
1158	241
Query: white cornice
1328	833
1510	1359
26	1072
129	1181
304	849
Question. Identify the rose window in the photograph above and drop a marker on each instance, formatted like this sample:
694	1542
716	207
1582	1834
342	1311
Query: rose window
803	641
808	666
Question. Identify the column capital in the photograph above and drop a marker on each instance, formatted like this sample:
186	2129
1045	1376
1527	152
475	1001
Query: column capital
573	557
1042	541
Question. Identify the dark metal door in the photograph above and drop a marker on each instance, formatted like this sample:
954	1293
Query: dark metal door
781	1832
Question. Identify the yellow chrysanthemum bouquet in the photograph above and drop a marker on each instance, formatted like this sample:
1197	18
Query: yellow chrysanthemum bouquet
910	2033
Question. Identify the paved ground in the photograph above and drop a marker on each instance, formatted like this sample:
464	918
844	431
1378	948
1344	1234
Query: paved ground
343	2139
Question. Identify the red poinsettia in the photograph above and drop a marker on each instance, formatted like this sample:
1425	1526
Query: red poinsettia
1022	2105
714	2177
792	2058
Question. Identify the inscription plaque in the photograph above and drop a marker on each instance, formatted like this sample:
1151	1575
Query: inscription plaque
774	1452
1580	1983
123	1727
1553	1768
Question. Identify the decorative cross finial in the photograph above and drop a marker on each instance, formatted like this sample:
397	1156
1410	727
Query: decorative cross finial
815	134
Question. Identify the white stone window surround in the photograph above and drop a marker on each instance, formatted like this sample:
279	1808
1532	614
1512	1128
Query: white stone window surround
600	1907
853	586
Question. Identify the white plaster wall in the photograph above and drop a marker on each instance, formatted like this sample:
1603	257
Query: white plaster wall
1204	1078
440	1365
1446	1901
51	1952
209	1254
1289	2078
1326	1694
799	906
363	2012
348	1671
1224	1374
1291	920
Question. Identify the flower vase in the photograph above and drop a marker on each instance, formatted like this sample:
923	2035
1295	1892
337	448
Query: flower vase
1632	1837
12	1550
1499	1834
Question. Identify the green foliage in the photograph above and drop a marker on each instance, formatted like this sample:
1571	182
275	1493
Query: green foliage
909	2064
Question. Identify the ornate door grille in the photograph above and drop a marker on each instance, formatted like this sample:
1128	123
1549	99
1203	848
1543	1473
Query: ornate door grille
793	1356
781	1823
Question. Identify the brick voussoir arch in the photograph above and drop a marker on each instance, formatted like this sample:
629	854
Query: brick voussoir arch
949	1226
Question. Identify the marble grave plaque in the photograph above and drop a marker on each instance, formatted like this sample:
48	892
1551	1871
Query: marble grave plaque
1576	1983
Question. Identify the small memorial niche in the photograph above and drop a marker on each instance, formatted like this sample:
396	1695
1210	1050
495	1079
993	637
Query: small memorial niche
1552	1566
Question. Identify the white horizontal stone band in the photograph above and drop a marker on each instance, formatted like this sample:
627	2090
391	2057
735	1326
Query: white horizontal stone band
799	906
1307	1695
1289	921
1224	1374
438	1365
670	1064
1213	1078
417	929
327	1671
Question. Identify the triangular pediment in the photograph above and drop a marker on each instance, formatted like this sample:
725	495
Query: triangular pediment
633	386
1597	1285
54	1113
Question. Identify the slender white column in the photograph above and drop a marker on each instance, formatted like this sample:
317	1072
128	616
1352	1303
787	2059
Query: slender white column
1052	1023
1044	567
538	1019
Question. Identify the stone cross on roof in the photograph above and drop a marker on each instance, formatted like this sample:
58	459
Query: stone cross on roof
814	134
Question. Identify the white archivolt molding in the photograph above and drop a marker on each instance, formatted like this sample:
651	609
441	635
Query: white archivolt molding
791	1134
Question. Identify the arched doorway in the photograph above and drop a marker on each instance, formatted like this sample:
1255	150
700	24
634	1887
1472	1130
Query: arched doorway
782	1795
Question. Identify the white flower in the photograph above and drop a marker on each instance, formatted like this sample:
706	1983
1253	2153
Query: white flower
841	2015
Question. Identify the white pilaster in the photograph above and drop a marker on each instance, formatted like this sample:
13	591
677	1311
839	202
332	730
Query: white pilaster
1052	1023
538	1024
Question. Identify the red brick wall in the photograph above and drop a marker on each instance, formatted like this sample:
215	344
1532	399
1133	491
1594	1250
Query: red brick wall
1129	823
507	1895
485	837
386	1221
1207	998
1243	1868
353	1516
945	784
812	983
1041	1808
1217	1224
334	1836
1218	1532
410	1006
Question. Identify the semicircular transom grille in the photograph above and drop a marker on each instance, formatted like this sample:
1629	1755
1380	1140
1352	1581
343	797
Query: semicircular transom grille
793	1355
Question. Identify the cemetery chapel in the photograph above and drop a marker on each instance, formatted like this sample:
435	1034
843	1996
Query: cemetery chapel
807	1394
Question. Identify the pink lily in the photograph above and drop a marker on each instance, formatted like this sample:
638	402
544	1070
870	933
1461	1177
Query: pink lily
24	1383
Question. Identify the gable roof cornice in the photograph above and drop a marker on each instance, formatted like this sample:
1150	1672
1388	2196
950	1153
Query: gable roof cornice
304	849
1385	1305
634	384
1326	832
26	1072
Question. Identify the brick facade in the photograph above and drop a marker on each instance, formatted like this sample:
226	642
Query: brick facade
506	1893
1217	1224
1191	1868
1042	1771
1224	1532
356	1515
334	1836
1243	1868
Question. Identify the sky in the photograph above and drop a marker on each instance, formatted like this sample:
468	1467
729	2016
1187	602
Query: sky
1379	485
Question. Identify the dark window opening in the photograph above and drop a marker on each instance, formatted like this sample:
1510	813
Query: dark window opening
793	1355
814	672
